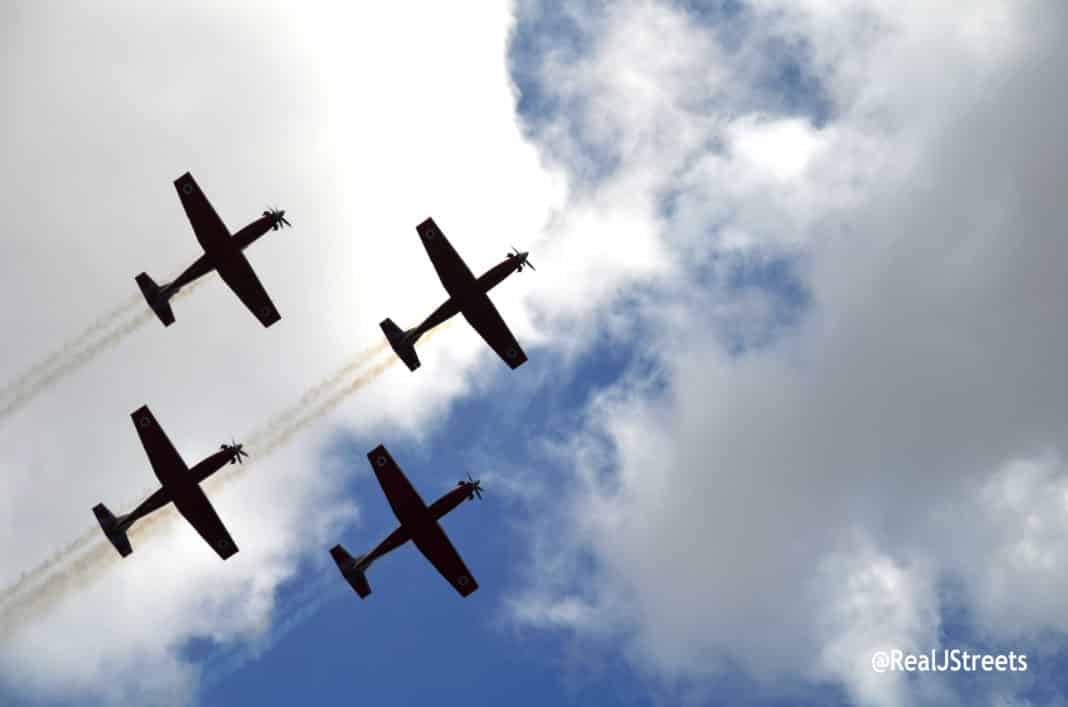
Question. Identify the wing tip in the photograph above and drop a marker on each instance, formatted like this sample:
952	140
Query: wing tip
428	229
340	554
226	548
379	456
514	356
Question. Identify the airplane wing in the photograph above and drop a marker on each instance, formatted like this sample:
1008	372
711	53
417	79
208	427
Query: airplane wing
415	517
455	276
166	462
435	545
174	476
486	320
405	501
236	272
210	231
191	502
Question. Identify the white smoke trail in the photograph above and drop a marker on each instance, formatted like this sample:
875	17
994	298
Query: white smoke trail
28	579
313	394
327	589
69	345
72	363
284	434
102	335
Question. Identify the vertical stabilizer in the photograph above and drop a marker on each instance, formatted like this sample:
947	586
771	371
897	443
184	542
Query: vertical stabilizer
402	343
352	569
156	299
113	529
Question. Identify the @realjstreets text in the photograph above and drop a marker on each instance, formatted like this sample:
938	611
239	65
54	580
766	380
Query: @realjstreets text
947	661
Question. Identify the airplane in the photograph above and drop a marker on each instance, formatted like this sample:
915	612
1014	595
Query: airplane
467	295
222	252
179	485
418	523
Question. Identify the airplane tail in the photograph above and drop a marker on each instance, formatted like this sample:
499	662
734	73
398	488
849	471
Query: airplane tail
402	342
113	529
156	298
352	569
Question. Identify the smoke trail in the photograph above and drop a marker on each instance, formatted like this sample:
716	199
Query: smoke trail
68	360
282	436
326	590
315	393
28	578
70	344
73	363
33	603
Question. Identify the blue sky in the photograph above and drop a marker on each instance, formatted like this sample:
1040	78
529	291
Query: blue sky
793	394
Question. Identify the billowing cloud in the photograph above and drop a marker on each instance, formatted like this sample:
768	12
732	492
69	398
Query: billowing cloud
795	503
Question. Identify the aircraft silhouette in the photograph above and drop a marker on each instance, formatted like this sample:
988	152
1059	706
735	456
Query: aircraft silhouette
179	485
222	252
467	296
418	523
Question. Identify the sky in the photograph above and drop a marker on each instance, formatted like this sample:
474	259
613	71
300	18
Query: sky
796	390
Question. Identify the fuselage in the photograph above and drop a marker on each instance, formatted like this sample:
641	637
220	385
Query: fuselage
437	509
452	306
207	262
162	497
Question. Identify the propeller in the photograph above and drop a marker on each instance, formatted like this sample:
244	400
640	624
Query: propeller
279	216
474	486
524	259
237	451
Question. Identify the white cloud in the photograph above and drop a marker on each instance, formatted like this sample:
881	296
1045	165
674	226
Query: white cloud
805	498
780	148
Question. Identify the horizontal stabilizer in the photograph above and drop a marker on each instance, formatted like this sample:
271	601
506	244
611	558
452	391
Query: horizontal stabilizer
351	570
112	529
401	343
156	299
